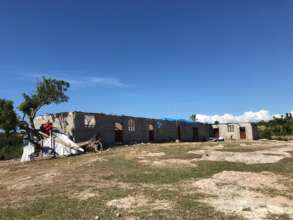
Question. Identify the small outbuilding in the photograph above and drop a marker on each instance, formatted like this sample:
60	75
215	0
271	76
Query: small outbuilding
235	131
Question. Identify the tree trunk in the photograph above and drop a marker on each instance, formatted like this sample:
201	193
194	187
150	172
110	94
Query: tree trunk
33	133
31	119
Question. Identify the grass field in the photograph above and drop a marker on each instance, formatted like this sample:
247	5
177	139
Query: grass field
154	181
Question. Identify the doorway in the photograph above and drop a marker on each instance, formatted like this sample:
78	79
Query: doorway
118	133
195	134
242	133
178	133
151	133
216	132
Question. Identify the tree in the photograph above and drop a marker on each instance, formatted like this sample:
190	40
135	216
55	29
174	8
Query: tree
8	117
278	127
267	134
216	122
193	117
48	91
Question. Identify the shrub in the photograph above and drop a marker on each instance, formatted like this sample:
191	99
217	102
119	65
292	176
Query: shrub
10	146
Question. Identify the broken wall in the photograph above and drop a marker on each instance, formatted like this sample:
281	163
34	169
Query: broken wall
62	121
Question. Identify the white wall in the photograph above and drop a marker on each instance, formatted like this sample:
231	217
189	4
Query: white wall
223	131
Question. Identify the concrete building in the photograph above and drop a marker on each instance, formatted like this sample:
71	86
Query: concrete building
114	129
235	131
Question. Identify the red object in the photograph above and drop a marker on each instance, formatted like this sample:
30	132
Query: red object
47	128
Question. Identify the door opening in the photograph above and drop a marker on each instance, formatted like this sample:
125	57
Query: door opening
178	133
216	133
151	133
242	133
195	134
118	133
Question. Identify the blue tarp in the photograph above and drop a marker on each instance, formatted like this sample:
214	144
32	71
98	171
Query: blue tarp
179	120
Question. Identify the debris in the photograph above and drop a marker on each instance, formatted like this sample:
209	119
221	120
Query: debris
56	144
94	144
60	145
211	139
28	152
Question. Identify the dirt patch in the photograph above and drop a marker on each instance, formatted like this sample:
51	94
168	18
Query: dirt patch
155	160
160	187
169	163
132	203
28	181
213	147
245	144
249	179
87	160
272	155
237	193
245	157
84	195
144	154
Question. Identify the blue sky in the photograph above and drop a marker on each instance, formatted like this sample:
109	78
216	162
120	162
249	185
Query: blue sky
152	58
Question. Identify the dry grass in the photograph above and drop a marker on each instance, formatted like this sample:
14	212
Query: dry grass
117	182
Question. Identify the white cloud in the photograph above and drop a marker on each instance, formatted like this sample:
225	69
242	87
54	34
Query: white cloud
85	81
106	81
245	117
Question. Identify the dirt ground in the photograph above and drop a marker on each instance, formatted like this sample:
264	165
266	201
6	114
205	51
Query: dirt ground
248	180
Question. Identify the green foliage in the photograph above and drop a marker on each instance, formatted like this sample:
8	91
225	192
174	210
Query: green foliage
266	133
10	146
52	91
193	118
48	91
278	128
8	118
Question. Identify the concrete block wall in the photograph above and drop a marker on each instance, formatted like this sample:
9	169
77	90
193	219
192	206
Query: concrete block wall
205	131
165	131
83	126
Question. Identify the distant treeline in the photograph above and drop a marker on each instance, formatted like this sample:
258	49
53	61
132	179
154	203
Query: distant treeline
277	128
